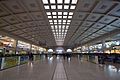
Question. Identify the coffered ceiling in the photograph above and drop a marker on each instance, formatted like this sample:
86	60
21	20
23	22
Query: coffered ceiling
89	19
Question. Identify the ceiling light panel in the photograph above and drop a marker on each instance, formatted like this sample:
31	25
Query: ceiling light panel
47	7
53	13
59	6
52	1
48	13
66	6
59	1
53	6
45	1
59	13
65	13
72	7
74	1
70	13
58	19
66	1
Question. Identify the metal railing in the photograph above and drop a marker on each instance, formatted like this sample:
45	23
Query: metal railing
10	60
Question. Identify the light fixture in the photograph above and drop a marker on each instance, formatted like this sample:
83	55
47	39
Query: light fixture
48	13
65	13
45	1
64	23
64	20
68	23
59	1
66	6
53	13
63	26
52	27
59	20
49	17
51	23
64	16
50	20
59	26
59	6
59	16
59	23
52	1
72	7
47	7
69	16
55	26
67	27
55	23
67	1
74	1
70	13
54	16
53	6
59	13
56	30
68	20
55	20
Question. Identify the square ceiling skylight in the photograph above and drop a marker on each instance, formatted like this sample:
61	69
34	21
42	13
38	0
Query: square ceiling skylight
48	13
52	26
69	16
54	16
55	23
65	13
72	7
59	23
68	20
59	1
49	16
52	1
66	6
59	6
47	7
59	13
67	27
45	1
51	23
70	13
64	16
67	1
59	20
74	1
64	20
59	16
53	6
53	13
55	20
68	23
50	20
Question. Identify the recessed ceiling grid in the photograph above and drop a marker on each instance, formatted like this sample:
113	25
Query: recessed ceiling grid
25	19
103	17
59	13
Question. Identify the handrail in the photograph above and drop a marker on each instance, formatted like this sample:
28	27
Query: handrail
94	54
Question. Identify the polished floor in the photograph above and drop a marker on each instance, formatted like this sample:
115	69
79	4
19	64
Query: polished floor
58	68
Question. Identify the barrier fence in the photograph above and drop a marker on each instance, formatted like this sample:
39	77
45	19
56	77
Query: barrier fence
11	60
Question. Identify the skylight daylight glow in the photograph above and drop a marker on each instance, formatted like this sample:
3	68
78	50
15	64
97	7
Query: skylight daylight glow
60	13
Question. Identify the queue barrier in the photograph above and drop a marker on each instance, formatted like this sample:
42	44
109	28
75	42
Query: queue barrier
11	60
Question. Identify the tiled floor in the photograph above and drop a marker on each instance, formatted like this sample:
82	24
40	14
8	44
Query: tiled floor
60	72
60	69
